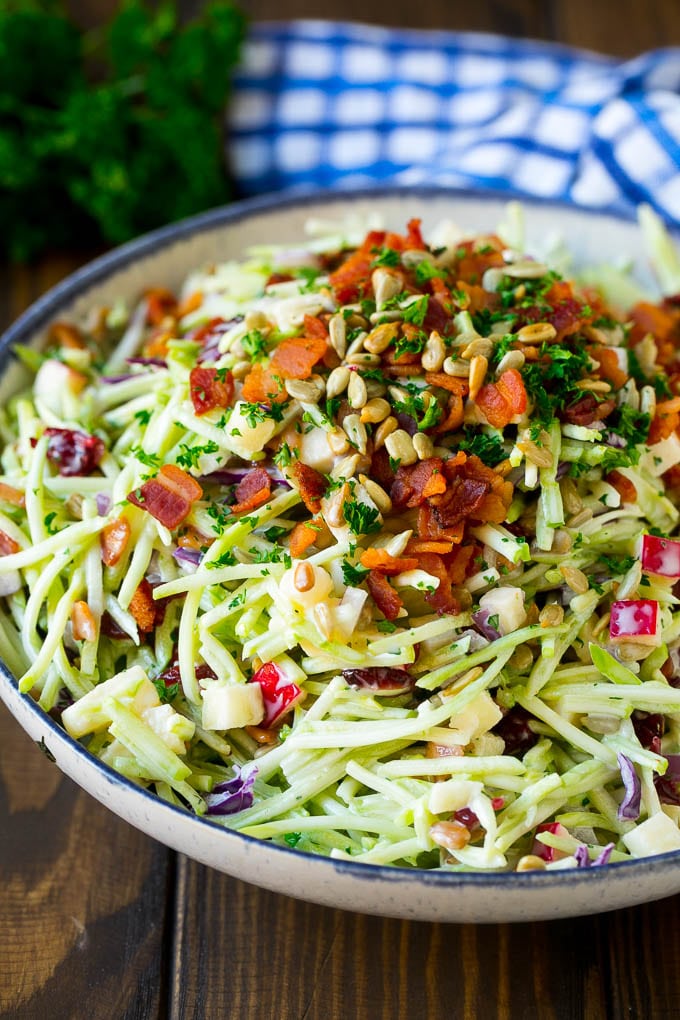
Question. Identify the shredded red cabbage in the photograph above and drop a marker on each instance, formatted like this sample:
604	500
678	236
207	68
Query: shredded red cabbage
191	557
629	808
583	858
104	503
481	622
232	795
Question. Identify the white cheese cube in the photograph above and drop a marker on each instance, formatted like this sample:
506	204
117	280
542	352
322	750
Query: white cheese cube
657	835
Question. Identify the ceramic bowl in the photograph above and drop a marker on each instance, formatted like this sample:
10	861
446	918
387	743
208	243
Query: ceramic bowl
164	257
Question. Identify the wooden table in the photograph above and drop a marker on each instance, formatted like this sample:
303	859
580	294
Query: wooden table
98	921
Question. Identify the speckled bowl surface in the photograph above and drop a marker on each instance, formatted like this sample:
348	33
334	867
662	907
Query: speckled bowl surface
164	258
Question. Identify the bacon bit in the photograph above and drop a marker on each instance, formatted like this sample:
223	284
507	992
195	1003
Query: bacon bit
385	563
352	279
454	417
459	563
419	545
143	607
252	491
392	357
64	334
169	496
665	421
210	388
460	387
190	304
442	598
494	406
649	318
161	303
623	486
566	313
192	539
414	484
303	536
477	299
587	409
11	495
385	597
431	528
162	503
312	485
263	386
179	481
610	370
316	327
475	491
211	328
295	357
499	402
157	344
278	278
83	622
8	545
472	265
113	539
511	385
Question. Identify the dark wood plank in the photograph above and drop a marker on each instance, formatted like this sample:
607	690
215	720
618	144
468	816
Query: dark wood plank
621	27
511	17
301	960
84	903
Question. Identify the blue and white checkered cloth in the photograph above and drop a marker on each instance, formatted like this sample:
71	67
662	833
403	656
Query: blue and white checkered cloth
319	104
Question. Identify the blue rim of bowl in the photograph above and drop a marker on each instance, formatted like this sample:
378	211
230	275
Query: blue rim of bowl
44	309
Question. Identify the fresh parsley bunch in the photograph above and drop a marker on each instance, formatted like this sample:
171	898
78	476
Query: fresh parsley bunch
108	134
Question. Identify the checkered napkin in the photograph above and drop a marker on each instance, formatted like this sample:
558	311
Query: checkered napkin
321	104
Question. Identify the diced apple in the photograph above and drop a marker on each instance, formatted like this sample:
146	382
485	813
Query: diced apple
634	619
660	556
232	706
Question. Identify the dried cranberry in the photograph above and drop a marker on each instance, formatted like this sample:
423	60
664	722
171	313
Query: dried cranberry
668	789
515	731
171	675
380	678
468	818
110	628
74	453
649	729
587	410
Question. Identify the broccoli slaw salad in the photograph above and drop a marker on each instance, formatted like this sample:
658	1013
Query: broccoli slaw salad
364	547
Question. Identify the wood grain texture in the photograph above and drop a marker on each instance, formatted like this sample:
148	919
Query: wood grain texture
84	904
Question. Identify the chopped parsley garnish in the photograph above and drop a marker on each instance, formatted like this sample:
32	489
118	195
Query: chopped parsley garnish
255	345
150	460
189	456
416	311
386	626
411	344
631	425
142	416
49	523
385	257
361	518
489	449
425	271
274	533
617	565
227	559
166	692
283	456
353	575
425	416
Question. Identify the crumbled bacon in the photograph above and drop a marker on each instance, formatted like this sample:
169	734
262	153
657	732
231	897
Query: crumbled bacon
83	622
587	409
143	607
312	485
252	491
385	597
442	598
169	496
113	539
8	545
380	559
74	452
414	484
210	388
160	303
